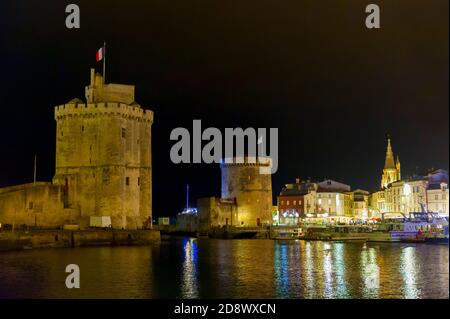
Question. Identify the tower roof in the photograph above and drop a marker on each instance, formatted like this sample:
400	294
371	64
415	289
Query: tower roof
389	162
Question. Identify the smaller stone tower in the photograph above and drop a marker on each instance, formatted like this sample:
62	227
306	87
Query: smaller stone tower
243	182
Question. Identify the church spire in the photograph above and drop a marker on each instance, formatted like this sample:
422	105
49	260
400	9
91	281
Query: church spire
389	162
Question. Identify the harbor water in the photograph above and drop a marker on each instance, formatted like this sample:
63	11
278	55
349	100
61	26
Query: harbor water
214	268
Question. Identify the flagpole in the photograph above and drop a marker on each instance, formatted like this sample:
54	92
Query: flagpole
104	62
34	175
187	196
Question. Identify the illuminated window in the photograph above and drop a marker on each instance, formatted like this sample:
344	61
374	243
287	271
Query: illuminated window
295	202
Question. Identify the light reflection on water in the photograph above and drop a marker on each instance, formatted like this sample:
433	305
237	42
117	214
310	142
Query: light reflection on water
370	272
189	282
409	270
202	268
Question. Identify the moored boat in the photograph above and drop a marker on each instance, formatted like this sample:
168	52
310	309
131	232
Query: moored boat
416	228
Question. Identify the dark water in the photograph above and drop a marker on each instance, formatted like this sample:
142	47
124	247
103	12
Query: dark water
202	268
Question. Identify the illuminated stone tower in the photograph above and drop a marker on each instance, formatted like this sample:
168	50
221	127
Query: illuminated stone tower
243	182
391	170
103	155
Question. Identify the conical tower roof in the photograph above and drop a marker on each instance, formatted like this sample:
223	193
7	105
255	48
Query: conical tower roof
389	162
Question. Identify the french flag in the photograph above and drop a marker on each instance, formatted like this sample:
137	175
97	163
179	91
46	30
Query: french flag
100	54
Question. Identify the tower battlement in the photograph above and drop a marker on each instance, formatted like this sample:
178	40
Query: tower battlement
247	161
103	108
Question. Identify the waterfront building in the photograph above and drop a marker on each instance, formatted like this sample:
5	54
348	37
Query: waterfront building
291	202
361	204
418	193
377	204
437	192
329	201
438	201
406	196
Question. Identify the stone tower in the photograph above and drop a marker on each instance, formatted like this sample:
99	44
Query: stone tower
243	182
391	170
103	155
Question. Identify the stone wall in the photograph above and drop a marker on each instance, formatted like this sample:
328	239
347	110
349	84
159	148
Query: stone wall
216	212
66	239
37	205
187	223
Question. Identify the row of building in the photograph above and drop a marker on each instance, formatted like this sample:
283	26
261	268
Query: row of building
331	201
246	198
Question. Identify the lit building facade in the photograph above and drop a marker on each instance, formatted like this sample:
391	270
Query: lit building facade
377	204
329	201
437	192
361	204
438	200
406	196
415	194
291	202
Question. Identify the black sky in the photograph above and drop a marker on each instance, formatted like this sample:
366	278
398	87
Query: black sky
311	68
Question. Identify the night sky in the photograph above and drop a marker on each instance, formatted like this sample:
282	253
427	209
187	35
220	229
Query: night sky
311	68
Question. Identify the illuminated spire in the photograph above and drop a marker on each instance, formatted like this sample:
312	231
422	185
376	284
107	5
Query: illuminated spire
389	162
397	166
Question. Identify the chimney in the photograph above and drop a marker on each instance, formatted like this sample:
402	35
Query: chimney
92	76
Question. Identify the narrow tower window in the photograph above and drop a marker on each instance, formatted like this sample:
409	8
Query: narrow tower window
127	181
123	132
